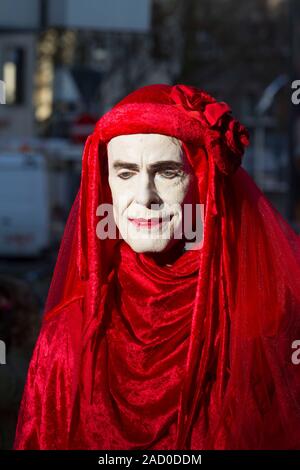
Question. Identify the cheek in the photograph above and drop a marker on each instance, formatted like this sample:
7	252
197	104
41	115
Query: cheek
174	191
121	194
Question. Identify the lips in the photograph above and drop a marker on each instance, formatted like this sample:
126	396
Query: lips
148	223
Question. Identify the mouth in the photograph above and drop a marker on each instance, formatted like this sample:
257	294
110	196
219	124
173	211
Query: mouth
149	223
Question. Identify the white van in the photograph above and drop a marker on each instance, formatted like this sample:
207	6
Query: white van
24	204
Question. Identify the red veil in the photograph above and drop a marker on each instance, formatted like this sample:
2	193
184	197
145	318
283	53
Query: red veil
239	383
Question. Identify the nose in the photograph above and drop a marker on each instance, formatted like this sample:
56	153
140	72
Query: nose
146	192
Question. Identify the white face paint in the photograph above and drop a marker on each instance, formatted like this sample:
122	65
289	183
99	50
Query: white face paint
150	178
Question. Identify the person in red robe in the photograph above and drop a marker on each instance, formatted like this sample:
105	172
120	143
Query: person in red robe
178	348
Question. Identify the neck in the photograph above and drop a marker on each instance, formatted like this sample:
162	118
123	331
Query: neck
168	256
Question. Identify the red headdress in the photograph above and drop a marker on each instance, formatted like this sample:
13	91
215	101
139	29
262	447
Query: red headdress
239	376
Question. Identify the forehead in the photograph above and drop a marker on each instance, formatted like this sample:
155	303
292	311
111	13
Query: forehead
154	146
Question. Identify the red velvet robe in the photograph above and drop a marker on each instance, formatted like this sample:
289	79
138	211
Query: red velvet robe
140	362
193	357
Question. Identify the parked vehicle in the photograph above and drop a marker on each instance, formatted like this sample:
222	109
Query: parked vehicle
24	204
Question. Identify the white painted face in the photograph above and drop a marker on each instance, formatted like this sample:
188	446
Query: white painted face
150	179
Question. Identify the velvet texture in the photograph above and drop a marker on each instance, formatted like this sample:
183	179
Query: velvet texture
197	355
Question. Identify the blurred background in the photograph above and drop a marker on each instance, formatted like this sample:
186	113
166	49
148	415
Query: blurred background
64	63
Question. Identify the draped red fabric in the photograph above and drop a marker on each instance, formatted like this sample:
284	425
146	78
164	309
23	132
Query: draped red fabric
135	354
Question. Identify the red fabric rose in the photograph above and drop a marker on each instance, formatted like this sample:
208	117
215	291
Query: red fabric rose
223	134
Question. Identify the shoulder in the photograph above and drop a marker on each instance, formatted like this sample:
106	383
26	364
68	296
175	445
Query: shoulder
48	388
60	329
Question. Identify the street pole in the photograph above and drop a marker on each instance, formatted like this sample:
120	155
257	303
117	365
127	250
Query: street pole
291	176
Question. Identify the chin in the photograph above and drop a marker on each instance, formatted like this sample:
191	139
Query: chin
143	242
148	246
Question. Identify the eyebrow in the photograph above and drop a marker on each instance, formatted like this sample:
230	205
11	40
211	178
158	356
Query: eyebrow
166	164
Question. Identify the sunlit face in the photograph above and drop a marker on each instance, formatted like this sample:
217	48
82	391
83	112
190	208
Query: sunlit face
150	179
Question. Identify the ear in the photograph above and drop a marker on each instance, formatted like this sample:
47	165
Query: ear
104	172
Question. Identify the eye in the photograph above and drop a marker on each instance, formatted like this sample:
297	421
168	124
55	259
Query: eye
125	175
170	174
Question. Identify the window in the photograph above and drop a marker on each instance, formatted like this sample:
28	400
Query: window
13	74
